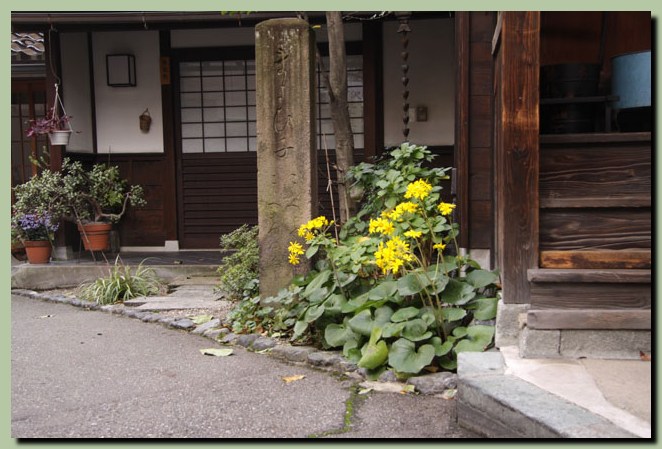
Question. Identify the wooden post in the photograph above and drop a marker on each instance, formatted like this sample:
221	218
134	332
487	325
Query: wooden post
517	151
462	99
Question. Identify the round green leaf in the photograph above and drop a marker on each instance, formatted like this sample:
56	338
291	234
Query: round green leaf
405	314
404	357
339	334
487	309
362	322
481	278
453	313
412	283
416	330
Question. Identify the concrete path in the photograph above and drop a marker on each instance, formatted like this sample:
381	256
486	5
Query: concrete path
78	373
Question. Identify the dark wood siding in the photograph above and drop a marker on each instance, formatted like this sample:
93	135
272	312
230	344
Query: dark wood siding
475	128
219	194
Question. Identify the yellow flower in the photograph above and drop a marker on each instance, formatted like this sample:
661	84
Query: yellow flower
446	208
293	259
413	234
306	230
381	225
393	255
419	189
439	246
402	208
295	248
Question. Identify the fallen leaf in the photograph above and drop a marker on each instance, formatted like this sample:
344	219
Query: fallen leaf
365	390
449	394
645	357
224	352
201	319
407	389
431	368
264	351
46	316
288	379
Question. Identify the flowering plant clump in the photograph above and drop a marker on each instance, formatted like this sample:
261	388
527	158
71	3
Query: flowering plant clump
390	291
35	226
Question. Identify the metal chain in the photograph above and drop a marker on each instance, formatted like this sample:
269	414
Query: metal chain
403	30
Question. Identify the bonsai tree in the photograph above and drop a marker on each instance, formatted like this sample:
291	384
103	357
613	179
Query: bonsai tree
98	194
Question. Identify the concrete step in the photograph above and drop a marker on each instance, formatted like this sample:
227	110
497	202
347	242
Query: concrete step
495	404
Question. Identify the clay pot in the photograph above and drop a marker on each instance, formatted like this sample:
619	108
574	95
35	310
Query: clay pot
95	236
38	251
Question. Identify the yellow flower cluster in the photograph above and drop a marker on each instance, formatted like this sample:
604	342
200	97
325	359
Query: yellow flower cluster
419	189
381	225
400	210
306	230
446	208
413	234
295	250
393	255
439	246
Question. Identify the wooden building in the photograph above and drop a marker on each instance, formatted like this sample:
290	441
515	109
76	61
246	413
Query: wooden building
550	190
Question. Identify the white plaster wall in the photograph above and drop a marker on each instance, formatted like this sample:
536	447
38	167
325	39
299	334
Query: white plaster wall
431	82
118	108
242	36
76	90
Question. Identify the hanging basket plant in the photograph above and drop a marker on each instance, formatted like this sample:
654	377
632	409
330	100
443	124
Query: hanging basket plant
57	126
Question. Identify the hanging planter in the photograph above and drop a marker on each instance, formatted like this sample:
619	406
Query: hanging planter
59	137
38	251
55	125
145	121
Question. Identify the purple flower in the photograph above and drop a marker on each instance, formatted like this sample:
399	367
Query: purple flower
35	226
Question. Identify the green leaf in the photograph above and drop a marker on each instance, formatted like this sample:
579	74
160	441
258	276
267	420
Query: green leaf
339	334
487	309
383	315
299	328
354	304
345	278
458	293
478	338
448	364
405	314
313	313
392	329
375	352
334	304
416	330
460	332
317	283
311	251
404	357
412	283
351	350
216	352
481	278
383	290
441	349
453	313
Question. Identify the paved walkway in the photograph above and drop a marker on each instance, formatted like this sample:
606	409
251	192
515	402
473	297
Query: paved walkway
87	374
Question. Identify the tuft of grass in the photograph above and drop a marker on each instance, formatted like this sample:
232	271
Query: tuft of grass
122	284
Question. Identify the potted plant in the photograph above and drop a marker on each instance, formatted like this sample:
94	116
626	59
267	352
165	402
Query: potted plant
56	126
36	231
97	198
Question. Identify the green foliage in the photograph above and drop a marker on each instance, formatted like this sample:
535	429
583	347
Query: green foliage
122	284
239	270
388	293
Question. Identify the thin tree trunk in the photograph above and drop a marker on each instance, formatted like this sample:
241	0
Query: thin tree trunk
337	87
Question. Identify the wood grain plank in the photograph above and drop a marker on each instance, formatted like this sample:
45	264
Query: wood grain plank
589	319
550	275
614	259
571	229
590	296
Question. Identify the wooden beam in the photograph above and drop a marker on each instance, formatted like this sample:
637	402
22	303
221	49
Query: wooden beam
569	203
462	102
590	276
517	152
589	319
587	295
614	259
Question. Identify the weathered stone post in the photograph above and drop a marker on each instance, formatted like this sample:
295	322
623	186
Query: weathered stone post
286	153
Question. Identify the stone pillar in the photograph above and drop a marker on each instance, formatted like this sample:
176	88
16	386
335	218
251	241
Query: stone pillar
286	153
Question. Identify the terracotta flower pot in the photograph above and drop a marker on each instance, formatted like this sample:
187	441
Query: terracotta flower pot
38	251
96	236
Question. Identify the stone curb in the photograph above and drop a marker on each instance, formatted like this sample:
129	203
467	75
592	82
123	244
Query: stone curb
495	404
331	361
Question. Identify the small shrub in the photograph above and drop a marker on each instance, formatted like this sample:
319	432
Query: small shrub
122	284
239	270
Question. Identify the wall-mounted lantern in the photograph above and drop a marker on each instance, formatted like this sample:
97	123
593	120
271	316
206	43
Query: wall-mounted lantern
121	70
